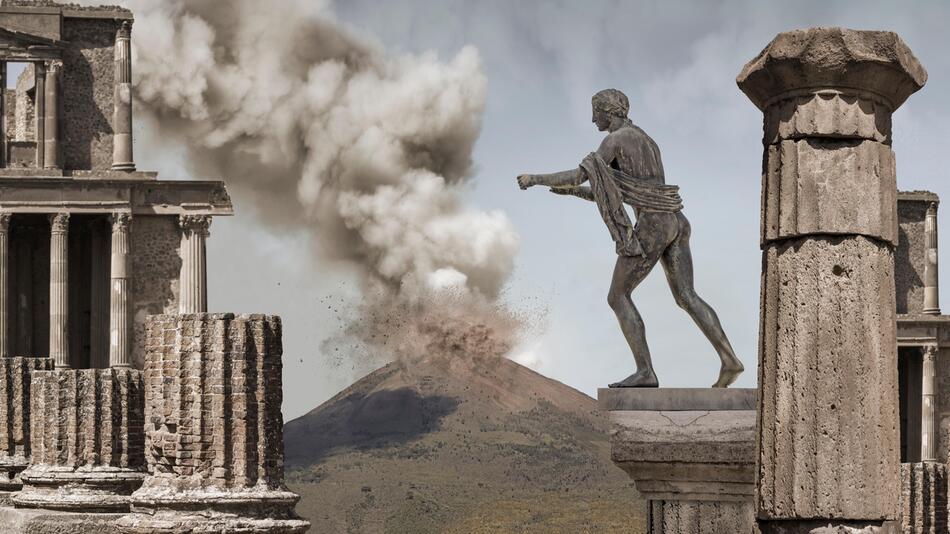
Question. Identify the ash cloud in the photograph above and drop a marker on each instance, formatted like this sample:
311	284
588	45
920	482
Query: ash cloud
319	130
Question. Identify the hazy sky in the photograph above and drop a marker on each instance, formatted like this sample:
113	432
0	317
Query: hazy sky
677	61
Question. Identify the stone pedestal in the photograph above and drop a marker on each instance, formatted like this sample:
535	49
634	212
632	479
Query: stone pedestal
691	453
924	498
214	439
15	417
87	440
828	441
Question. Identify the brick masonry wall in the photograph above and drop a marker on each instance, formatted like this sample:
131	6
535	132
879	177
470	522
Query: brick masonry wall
924	498
88	92
909	256
155	242
15	416
213	398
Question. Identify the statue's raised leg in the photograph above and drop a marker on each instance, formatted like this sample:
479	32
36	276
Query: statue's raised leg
678	264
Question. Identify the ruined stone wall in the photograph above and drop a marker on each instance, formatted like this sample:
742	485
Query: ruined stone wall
88	92
942	415
155	259
910	253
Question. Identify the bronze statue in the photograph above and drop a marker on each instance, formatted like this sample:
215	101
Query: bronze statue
627	169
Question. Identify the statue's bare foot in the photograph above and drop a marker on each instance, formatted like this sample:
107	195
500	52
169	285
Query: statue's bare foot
641	379
730	371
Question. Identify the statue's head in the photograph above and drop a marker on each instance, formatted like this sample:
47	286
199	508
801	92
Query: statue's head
607	105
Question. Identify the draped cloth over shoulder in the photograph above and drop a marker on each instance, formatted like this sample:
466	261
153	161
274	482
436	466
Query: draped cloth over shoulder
612	188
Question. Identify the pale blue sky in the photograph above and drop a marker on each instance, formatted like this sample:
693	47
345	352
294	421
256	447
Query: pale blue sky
677	61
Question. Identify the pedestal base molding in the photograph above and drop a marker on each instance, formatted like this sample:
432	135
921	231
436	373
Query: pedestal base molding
103	489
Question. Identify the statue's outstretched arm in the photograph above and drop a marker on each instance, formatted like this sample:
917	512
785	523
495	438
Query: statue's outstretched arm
571	178
581	191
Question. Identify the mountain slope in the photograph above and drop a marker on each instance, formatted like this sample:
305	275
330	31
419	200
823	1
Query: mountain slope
459	446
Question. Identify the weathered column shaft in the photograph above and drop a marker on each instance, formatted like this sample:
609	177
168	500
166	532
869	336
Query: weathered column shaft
59	290
931	287
51	129
15	374
39	111
215	432
100	293
928	400
122	118
924	498
119	319
6	343
193	287
87	440
828	436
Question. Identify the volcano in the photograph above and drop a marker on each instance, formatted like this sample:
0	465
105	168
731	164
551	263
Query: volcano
462	446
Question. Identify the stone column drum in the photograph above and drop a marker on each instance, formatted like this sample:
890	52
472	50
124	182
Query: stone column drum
15	388
87	440
214	437
828	439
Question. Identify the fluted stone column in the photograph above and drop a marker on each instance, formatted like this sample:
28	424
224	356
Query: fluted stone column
87	440
59	290
51	129
214	442
6	343
119	319
193	281
928	405
39	112
15	376
122	118
931	291
828	436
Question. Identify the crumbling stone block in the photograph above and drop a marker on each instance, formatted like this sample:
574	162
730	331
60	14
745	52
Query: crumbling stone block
214	432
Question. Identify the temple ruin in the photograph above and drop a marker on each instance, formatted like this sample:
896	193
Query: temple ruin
103	275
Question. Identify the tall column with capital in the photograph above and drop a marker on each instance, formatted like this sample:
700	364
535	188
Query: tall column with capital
828	436
39	111
122	118
928	420
119	319
6	344
51	130
193	286
59	290
931	293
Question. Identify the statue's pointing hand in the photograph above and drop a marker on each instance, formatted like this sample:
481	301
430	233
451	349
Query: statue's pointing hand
526	180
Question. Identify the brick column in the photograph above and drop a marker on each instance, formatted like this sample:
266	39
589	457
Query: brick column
828	436
193	280
119	318
59	290
51	129
15	376
87	440
122	116
214	442
924	498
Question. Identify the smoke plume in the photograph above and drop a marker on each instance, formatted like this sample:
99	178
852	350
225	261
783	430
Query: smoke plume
370	153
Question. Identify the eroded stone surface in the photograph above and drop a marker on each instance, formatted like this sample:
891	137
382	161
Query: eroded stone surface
829	434
877	62
828	113
821	186
700	517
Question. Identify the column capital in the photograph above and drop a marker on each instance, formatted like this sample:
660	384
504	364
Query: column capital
125	30
121	221
59	223
195	224
5	221
932	209
930	351
54	66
